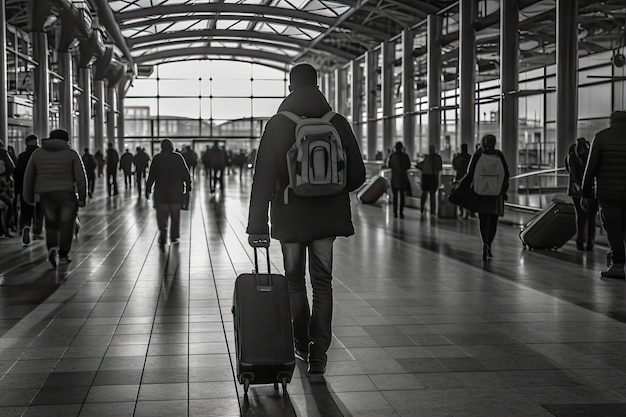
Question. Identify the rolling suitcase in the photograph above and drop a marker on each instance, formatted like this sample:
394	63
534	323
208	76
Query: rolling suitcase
373	190
551	228
263	332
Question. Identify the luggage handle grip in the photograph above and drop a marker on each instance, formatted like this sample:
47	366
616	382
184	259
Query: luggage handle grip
259	285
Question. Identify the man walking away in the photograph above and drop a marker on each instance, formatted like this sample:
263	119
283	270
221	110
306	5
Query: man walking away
90	165
55	173
171	179
112	159
126	166
606	167
399	163
460	163
29	215
140	160
303	225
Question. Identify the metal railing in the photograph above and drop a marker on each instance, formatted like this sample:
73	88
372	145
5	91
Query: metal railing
532	191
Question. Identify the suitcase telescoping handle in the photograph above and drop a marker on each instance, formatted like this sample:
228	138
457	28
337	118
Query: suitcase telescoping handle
259	285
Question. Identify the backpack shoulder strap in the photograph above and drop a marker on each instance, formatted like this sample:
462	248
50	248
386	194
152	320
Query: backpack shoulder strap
291	116
328	116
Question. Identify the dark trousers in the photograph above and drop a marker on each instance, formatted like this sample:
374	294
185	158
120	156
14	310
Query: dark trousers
112	181
91	183
165	212
614	221
31	215
398	197
128	179
433	201
140	177
310	325
60	209
217	176
585	222
488	224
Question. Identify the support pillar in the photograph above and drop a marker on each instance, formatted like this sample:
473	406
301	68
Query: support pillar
41	116
467	71
509	113
434	23
67	93
4	114
111	125
339	93
84	108
98	121
355	87
370	102
121	94
408	94
386	92
566	76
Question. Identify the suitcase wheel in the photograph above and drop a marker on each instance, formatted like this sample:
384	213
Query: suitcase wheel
284	384
246	385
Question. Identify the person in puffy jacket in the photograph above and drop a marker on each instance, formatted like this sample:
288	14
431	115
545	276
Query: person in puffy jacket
399	163
303	224
606	169
585	219
53	176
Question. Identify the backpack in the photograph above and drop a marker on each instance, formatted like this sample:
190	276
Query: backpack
488	175
316	162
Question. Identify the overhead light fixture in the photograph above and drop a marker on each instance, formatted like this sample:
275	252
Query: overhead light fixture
619	60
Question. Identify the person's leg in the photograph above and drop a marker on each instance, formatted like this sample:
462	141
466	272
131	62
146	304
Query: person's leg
483	226
320	270
614	223
433	202
493	228
591	224
67	217
51	213
174	211
294	259
395	192
581	222
26	214
402	201
162	214
423	200
38	221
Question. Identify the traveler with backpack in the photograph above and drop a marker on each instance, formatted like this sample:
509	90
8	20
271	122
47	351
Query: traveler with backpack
399	164
310	205
576	160
488	173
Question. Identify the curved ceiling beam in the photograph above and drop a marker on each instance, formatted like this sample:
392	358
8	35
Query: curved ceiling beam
157	56
245	45
222	8
168	19
198	35
269	64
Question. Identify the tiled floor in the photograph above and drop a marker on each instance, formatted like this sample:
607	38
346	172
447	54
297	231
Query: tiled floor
422	326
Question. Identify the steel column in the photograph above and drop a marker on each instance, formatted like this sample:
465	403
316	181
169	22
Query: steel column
370	102
111	101
4	114
355	87
467	71
41	116
566	76
408	96
84	108
339	102
99	117
509	113
120	117
67	93
434	23
386	92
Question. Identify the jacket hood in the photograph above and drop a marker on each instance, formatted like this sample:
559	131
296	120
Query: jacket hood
55	145
306	101
582	148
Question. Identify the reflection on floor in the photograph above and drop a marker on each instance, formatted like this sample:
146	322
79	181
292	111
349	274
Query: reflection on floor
422	327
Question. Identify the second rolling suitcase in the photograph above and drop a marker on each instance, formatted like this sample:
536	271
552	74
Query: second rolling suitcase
263	332
551	228
372	190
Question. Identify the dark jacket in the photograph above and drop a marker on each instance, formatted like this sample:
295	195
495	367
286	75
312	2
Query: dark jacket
90	164
112	159
54	167
126	162
141	160
170	175
607	164
20	167
7	162
460	162
489	204
399	164
576	166
304	218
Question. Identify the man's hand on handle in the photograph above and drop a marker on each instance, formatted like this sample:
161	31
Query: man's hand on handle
259	241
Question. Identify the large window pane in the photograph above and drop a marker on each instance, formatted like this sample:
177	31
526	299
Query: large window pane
179	88
231	88
271	88
265	107
594	101
231	108
187	107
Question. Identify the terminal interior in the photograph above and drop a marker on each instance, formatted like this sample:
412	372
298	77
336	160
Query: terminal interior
422	325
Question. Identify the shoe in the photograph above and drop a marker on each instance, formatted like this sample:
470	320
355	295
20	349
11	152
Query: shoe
580	247
489	251
402	215
53	255
485	252
175	241
38	237
26	236
64	260
589	247
316	367
302	355
615	271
